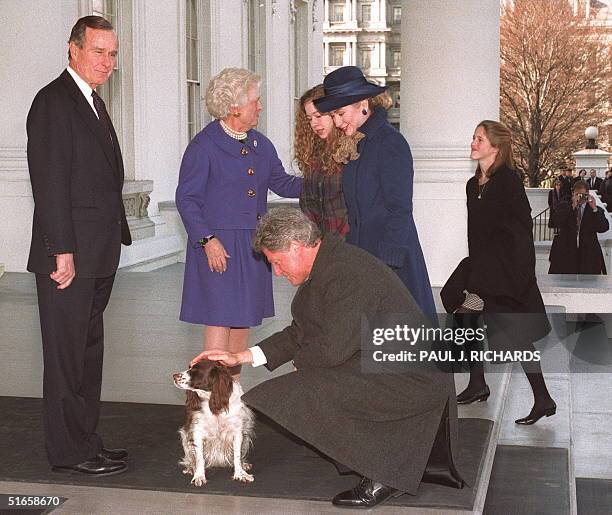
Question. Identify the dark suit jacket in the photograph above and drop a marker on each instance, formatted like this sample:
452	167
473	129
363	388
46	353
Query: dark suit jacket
362	420
77	178
596	185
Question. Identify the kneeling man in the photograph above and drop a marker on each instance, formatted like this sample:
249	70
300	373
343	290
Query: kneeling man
395	429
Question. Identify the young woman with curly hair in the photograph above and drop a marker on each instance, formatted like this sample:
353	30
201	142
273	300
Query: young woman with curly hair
321	153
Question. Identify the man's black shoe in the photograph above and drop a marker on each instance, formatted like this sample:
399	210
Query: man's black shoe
366	494
113	454
98	466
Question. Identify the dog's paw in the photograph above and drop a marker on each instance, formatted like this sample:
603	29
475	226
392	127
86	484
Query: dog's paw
243	476
188	471
247	466
198	480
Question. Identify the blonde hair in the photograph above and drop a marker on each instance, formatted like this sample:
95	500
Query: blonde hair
500	137
383	100
229	88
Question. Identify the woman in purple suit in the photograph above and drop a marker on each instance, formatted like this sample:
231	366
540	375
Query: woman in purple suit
223	185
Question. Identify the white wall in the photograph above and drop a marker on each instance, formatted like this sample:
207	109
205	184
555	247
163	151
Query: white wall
34	52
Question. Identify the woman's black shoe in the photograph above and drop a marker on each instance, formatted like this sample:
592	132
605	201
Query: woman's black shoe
366	494
537	414
468	397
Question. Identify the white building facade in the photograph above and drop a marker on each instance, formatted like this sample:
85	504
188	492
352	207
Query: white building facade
170	49
366	33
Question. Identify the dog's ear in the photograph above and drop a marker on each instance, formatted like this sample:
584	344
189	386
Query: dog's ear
222	385
193	401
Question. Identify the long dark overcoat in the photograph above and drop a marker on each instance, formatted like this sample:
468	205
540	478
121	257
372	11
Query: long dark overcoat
570	255
381	425
378	193
501	263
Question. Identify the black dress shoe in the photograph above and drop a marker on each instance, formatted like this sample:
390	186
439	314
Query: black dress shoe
466	397
366	494
98	466
537	414
113	454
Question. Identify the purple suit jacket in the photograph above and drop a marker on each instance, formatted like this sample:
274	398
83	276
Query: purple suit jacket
224	184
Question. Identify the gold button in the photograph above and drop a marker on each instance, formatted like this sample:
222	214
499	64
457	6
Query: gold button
251	193
250	171
244	151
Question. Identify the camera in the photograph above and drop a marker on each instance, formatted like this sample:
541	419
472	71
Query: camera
583	197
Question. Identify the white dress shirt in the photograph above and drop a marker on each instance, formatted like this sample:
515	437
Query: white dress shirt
84	87
259	358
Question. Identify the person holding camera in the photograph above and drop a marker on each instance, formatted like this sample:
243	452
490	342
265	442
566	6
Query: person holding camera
576	249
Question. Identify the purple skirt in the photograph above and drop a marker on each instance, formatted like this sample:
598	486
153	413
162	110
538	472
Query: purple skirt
240	297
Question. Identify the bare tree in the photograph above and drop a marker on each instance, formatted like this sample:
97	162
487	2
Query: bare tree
555	75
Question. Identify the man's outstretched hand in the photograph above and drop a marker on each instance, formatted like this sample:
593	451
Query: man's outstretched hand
229	359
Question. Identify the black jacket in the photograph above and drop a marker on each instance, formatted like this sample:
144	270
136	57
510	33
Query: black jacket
77	178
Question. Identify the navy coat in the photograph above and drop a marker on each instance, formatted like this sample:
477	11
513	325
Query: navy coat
378	193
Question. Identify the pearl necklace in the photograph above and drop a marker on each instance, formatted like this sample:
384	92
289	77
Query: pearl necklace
231	132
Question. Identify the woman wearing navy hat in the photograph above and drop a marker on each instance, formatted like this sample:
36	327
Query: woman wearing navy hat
378	185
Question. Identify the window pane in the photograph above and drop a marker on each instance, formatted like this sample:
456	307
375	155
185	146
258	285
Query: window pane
366	12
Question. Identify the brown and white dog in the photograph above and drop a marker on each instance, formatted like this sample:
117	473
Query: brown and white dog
218	431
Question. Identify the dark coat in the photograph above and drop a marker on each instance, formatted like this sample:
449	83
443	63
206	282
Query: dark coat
381	425
566	185
378	193
77	178
554	198
501	263
568	257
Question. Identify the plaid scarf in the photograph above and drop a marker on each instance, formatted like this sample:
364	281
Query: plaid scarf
323	202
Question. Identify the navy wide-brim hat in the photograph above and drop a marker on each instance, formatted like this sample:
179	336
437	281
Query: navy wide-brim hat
345	86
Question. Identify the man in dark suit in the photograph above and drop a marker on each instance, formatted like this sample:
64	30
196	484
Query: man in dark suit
594	182
396	427
76	170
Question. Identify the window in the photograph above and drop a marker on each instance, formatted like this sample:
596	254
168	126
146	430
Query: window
396	102
366	13
111	90
336	57
396	59
193	69
366	58
397	14
336	11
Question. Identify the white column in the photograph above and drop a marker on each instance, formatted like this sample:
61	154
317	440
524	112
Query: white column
354	53
347	11
354	11
382	17
347	53
453	84
325	54
382	55
326	12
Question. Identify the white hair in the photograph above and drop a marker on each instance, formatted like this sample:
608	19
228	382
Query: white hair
229	88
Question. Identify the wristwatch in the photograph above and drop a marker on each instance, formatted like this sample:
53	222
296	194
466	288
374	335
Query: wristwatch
204	241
